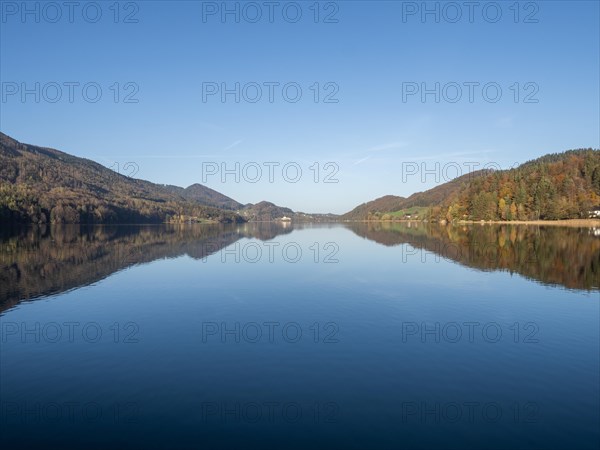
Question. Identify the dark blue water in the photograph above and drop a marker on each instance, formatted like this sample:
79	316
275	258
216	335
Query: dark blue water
313	337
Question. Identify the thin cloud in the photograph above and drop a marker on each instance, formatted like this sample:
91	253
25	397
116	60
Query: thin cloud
360	161
235	144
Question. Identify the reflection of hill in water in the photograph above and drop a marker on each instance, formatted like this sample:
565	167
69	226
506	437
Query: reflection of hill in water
46	260
552	255
40	261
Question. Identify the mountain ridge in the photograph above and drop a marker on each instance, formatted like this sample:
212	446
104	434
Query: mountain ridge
555	186
392	203
45	185
41	184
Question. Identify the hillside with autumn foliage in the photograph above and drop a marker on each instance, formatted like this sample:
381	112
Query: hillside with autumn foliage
553	187
44	185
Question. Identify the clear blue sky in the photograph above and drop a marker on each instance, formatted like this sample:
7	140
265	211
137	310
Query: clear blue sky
371	133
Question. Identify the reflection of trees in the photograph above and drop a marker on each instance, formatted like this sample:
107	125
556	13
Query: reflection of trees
43	260
554	255
264	230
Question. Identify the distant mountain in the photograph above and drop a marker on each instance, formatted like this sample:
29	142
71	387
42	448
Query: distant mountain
391	203
39	185
557	186
379	205
206	196
266	212
43	185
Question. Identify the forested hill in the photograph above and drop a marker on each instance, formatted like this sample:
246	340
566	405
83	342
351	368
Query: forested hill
556	186
39	185
391	203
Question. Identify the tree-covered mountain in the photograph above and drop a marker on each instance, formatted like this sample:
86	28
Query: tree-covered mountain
40	185
267	211
43	185
380	205
556	186
206	196
376	209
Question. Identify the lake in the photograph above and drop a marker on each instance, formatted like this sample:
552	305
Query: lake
267	335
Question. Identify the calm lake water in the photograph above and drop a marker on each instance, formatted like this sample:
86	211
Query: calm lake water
325	336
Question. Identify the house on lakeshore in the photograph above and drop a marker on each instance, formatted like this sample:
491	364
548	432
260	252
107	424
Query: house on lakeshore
594	213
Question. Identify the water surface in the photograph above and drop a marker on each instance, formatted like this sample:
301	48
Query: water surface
339	336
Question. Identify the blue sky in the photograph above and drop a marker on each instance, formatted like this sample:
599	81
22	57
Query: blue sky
372	136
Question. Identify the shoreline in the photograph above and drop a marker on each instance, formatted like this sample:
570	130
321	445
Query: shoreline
588	223
564	222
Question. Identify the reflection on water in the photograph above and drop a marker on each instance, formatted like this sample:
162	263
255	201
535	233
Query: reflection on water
38	261
553	255
45	260
380	336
